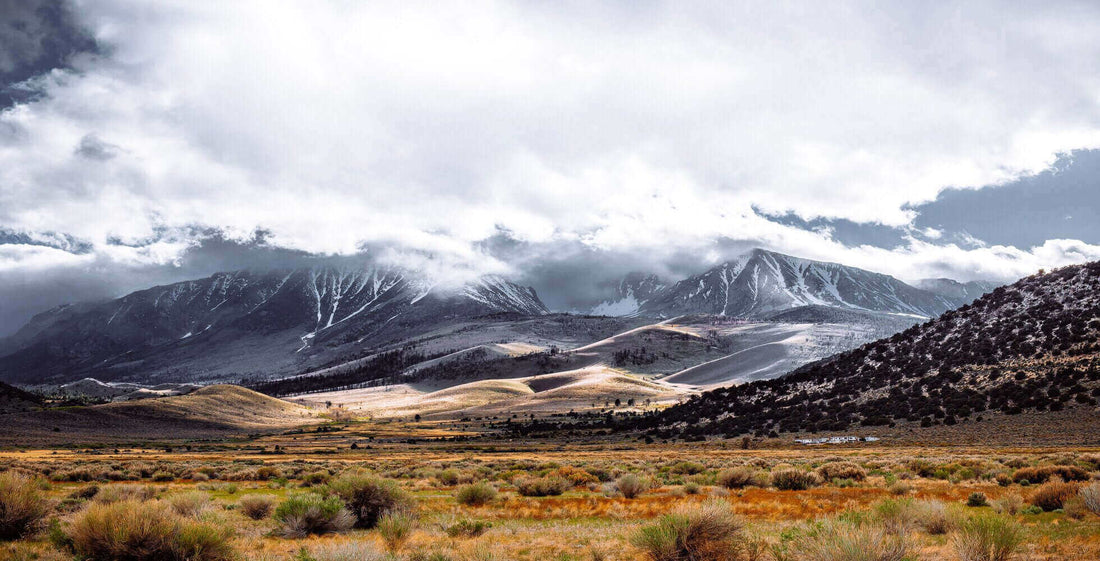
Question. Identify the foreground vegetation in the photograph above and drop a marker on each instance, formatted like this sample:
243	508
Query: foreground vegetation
659	503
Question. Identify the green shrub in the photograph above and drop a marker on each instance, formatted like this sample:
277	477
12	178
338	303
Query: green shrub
257	507
1008	504
631	485
738	477
190	504
1052	495
987	538
22	506
685	467
449	477
1045	473
316	478
541	486
977	499
395	528
466	528
709	532
793	479
369	497
303	515
476	494
163	477
132	530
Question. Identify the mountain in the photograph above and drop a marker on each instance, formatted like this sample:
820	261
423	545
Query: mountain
630	294
961	292
763	282
1032	346
243	323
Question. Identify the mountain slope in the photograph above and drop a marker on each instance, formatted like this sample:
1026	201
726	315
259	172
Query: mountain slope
236	323
961	292
764	282
632	292
1034	345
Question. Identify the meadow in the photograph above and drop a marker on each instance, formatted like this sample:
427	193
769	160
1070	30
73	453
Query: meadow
611	501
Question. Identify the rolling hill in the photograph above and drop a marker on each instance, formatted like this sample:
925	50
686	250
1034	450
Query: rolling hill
1033	346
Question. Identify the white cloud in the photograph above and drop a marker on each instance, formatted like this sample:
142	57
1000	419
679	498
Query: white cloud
637	128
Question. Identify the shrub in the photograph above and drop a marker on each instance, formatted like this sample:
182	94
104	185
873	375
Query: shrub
369	498
348	551
22	506
899	488
541	486
145	531
449	477
116	493
631	485
395	527
738	477
314	479
842	470
896	516
709	532
1045	473
303	515
163	477
1008	504
466	528
476	494
977	499
1090	496
692	488
987	538
1074	507
836	540
1052	495
191	503
793	479
575	476
257	507
934	518
685	467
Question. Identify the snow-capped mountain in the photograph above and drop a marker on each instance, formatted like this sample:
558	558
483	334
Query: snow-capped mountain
246	314
961	292
634	290
763	282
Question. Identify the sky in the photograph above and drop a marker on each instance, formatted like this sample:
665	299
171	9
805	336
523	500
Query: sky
559	144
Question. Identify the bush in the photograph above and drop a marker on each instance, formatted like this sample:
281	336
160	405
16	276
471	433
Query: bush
1052	495
899	488
116	493
896	516
738	477
836	540
934	518
348	551
395	527
316	478
1008	504
476	494
1045	473
710	532
190	504
631	485
1090	496
449	477
145	531
22	506
987	538
1074	507
303	515
575	476
466	528
793	480
842	470
257	507
977	499
163	477
541	486
369	497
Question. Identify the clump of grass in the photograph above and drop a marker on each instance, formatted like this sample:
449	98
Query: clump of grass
739	477
190	504
934	518
257	507
476	494
369	497
977	499
791	479
347	551
116	493
395	528
541	486
1046	473
1053	494
145	531
692	488
466	528
987	538
1090	496
896	516
631	485
842	470
303	515
163	477
710	532
1008	504
899	488
1074	507
22	506
843	540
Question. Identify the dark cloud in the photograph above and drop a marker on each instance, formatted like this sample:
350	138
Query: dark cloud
36	36
93	148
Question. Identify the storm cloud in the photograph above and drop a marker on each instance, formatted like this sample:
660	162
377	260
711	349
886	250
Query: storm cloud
560	144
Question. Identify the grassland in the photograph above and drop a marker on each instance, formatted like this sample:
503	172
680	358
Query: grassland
915	496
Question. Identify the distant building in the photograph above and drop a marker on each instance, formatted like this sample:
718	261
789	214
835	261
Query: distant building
835	440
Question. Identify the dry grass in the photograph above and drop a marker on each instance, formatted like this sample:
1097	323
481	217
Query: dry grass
710	532
22	506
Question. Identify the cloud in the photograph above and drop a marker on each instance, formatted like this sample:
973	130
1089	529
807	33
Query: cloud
661	132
